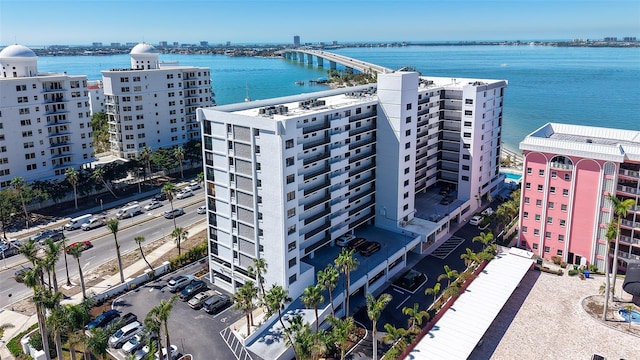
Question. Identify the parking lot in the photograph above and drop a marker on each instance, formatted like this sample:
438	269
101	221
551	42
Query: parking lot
192	331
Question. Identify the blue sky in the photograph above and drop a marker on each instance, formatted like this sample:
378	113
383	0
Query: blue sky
32	22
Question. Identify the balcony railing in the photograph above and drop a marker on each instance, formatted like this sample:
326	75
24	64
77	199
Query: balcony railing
628	189
631	173
629	240
561	166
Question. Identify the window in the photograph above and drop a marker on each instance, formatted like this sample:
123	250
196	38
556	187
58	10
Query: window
407	145
290	230
291	212
539	187
549	220
406	170
292	279
289	161
407	133
288	144
409	106
527	185
525	214
405	207
567	177
563	207
468	101
538	217
546	249
465	178
527	200
541	172
539	203
406	183
552	189
559	252
466	157
560	237
563	223
529	171
407	120
547	234
551	204
292	262
535	246
291	178
524	229
467	135
468	112
554	174
565	192
292	245
291	195
536	232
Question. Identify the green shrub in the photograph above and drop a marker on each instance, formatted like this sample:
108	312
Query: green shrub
573	272
593	268
14	345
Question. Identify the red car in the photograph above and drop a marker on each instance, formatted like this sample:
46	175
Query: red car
84	245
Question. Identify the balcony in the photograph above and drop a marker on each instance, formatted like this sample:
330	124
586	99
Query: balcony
629	240
315	158
630	224
323	184
317	202
317	230
362	129
361	170
314	173
561	166
323	125
355	118
317	216
626	255
630	173
312	144
628	189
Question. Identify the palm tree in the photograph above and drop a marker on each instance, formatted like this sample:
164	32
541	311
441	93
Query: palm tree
76	253
76	315
469	257
47	301
170	189
178	234
485	239
139	240
341	331
200	177
621	209
374	310
299	337
33	279
394	334
448	275
312	298
57	322
435	290
416	316
112	225
257	270
179	155
164	310
276	299
97	342
611	234
19	185
52	250
152	325
145	156
346	263
98	176
243	301
72	177
328	278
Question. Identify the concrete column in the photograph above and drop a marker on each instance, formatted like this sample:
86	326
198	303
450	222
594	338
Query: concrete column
301	56
332	65
320	61
309	59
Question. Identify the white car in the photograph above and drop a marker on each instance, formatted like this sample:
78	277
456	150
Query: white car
194	186
133	344
202	210
154	204
173	352
344	239
184	194
475	220
124	334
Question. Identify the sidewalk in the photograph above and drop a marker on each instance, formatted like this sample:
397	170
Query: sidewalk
21	322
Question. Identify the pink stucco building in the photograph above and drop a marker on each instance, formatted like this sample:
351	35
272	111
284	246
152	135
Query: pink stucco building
568	172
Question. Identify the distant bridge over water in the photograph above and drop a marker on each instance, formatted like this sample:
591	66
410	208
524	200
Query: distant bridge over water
307	55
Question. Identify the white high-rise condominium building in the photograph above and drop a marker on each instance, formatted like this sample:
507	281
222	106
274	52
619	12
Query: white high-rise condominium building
287	176
153	103
45	120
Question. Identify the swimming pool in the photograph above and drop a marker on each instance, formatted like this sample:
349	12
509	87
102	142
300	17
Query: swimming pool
635	315
514	177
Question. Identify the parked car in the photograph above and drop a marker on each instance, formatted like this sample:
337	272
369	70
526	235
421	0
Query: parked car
84	245
369	248
93	223
199	299
135	343
154	204
476	220
447	200
184	194
124	334
192	289
128	318
170	214
487	212
173	353
216	303
42	235
160	197
179	282
202	210
142	353
9	248
344	239
194	186
103	319
356	243
20	273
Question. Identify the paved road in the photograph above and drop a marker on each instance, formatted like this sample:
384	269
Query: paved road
104	246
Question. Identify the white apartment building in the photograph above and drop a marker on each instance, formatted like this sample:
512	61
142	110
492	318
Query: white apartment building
45	119
287	176
96	96
154	103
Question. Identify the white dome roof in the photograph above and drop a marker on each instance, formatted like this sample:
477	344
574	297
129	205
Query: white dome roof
144	48
17	51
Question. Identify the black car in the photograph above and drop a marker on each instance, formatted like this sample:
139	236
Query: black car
216	303
356	243
160	197
20	273
447	200
193	288
369	248
103	319
128	318
53	235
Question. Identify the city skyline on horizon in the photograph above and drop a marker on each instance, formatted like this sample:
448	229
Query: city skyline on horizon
357	21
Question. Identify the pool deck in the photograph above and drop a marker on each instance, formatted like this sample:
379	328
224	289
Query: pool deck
544	319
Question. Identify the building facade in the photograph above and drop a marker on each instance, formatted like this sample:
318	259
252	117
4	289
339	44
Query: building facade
45	119
153	103
569	172
287	176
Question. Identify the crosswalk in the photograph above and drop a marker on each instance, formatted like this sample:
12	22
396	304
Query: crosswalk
447	247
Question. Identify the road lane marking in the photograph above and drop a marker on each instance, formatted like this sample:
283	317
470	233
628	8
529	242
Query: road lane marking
403	301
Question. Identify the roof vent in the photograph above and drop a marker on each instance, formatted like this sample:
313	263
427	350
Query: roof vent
589	141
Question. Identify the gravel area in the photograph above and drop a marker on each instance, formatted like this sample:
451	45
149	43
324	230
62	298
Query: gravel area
545	319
